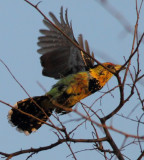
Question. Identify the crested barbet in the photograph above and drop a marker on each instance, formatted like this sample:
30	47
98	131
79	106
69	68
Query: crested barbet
60	59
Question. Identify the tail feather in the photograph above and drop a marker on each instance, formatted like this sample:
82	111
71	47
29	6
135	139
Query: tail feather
26	123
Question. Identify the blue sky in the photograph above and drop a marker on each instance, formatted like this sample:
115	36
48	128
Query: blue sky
20	24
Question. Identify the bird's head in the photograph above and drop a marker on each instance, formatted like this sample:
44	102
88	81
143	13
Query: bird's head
104	72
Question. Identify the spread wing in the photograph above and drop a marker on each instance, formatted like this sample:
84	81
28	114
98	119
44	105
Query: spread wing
89	62
59	56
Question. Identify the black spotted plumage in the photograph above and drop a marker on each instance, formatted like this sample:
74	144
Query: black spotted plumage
63	100
26	123
94	85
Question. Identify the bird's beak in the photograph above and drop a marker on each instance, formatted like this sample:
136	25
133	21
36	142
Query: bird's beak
119	67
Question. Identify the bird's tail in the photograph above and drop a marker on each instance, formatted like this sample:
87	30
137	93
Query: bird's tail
38	107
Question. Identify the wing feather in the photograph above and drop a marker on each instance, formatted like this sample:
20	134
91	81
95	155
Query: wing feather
89	62
59	56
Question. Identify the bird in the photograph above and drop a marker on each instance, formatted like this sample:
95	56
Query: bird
78	77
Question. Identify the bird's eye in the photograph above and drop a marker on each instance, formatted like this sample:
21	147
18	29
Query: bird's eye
109	66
